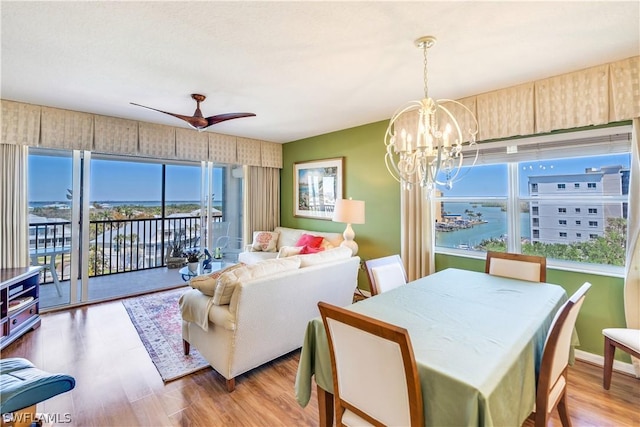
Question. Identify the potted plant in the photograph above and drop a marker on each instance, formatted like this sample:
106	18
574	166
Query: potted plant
193	259
175	254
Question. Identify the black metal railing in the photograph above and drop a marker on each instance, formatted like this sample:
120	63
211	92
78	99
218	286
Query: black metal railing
116	246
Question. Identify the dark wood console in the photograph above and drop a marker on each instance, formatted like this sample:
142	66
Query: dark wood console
20	309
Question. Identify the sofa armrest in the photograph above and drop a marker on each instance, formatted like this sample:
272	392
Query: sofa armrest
248	248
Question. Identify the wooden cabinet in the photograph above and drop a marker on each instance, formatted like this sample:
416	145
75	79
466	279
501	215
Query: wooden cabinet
20	308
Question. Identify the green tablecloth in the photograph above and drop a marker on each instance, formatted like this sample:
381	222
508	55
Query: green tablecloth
478	341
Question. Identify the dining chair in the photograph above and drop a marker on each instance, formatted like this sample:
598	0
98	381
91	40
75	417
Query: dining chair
375	378
516	266
627	340
552	380
385	273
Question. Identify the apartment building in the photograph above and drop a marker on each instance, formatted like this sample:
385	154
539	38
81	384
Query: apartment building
575	207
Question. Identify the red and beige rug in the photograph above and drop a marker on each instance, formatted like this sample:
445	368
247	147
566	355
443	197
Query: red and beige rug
156	317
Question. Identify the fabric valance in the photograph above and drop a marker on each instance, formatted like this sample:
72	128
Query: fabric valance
40	126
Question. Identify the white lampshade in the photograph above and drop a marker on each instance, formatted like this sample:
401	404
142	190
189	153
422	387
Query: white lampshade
349	211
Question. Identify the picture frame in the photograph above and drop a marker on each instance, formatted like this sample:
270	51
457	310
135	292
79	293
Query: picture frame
317	184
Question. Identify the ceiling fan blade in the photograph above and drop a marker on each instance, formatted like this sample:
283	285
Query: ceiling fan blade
193	121
228	116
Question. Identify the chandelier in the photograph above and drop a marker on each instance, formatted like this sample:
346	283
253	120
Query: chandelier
425	141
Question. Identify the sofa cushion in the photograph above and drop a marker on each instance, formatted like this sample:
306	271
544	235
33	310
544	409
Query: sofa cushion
264	241
227	282
206	283
324	256
290	236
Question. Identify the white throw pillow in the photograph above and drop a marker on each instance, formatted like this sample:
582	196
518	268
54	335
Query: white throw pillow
287	251
325	256
207	283
228	281
264	241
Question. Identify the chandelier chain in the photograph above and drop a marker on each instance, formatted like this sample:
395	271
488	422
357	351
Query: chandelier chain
426	79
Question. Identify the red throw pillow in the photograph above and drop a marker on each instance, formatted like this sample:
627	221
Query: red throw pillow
309	240
310	250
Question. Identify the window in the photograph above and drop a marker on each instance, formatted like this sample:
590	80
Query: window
530	215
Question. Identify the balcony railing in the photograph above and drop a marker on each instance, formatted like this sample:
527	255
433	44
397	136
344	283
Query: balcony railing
117	246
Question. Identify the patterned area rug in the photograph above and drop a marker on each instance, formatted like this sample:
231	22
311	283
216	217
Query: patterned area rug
156	317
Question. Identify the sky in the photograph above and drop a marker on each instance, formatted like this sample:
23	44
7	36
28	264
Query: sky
50	177
491	180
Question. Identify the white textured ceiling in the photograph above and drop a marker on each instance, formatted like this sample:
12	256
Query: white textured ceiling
305	68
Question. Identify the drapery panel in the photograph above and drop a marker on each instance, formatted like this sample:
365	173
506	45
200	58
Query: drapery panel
632	276
14	212
262	200
416	233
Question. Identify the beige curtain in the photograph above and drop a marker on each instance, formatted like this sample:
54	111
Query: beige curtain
632	277
14	211
261	201
416	233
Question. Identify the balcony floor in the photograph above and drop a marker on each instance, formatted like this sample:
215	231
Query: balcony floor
113	286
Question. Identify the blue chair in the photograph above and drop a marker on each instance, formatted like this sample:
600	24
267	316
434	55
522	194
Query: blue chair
23	386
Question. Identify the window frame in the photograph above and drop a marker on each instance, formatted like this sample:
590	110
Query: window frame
513	198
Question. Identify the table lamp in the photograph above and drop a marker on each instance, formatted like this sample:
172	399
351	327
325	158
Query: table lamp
350	212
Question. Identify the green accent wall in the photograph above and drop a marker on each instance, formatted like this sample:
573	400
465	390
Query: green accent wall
366	178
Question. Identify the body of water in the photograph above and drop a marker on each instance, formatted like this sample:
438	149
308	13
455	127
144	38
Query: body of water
495	227
114	203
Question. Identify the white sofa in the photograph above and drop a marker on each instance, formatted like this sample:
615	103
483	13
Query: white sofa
267	316
287	237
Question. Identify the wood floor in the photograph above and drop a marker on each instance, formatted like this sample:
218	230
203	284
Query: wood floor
118	385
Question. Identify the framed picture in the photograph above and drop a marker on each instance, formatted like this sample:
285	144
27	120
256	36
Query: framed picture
316	187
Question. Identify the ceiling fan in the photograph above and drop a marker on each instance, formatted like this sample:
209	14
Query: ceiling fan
197	121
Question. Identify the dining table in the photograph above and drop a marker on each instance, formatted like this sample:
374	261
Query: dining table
477	339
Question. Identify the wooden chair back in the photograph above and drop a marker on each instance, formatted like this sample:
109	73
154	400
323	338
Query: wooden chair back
516	266
375	379
552	380
385	273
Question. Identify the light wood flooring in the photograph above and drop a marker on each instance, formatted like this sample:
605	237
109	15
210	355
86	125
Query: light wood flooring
118	385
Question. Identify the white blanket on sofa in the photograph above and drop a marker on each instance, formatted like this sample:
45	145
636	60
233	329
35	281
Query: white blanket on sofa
195	306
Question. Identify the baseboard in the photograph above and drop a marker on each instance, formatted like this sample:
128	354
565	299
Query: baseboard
598	360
